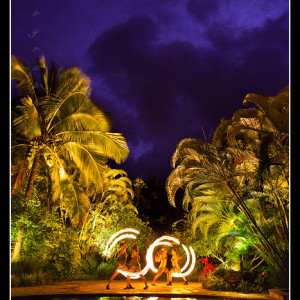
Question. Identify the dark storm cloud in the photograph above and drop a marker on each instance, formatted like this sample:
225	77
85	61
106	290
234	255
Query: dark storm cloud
259	55
162	69
123	47
176	88
202	10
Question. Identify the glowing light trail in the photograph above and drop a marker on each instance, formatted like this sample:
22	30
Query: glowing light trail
149	255
187	258
135	275
116	234
164	240
121	237
191	266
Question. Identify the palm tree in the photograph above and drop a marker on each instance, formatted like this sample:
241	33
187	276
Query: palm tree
138	185
243	156
117	188
58	126
264	133
116	194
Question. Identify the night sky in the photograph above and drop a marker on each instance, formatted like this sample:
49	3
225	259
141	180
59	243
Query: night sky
163	69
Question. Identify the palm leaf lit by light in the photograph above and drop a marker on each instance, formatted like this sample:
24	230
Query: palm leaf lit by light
239	166
59	122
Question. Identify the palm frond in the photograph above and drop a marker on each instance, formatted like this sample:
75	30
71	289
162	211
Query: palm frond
71	82
76	202
111	145
84	161
281	100
41	63
21	73
260	101
186	147
113	173
78	114
173	183
220	132
28	122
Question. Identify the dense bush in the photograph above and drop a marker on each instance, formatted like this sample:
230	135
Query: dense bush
105	270
229	280
31	279
61	255
212	282
53	250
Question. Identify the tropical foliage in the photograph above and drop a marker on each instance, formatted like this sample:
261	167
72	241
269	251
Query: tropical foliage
57	129
66	201
236	187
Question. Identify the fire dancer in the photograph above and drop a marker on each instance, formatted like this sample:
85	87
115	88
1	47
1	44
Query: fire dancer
162	257
121	263
176	268
135	266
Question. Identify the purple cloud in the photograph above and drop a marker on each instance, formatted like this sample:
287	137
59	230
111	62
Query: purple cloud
162	69
177	88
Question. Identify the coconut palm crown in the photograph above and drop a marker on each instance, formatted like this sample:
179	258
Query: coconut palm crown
57	127
58	121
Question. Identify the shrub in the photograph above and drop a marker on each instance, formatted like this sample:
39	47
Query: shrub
14	280
105	270
61	255
215	283
25	265
248	287
90	265
31	279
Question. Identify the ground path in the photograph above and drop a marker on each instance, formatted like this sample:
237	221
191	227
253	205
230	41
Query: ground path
97	288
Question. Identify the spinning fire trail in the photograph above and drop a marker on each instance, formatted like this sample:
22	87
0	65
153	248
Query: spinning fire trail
164	240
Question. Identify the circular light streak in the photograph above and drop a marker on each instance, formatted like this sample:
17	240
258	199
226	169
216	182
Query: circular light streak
187	258
191	266
109	246
119	238
164	240
134	275
158	242
114	239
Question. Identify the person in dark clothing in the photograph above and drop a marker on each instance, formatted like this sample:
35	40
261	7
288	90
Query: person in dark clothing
135	266
121	263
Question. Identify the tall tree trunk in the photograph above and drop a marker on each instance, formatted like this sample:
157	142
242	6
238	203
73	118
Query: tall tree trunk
19	240
19	178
